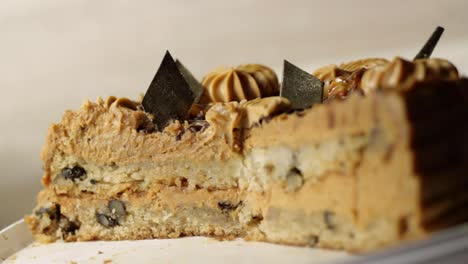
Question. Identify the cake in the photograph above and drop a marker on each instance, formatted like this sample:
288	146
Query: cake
355	156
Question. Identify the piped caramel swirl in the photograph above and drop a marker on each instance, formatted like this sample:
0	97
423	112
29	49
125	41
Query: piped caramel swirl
402	74
244	82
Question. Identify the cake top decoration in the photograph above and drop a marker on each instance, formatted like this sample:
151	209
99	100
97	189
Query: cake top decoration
431	43
301	88
194	84
169	96
244	82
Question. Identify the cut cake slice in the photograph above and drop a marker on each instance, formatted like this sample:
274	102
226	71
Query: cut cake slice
354	174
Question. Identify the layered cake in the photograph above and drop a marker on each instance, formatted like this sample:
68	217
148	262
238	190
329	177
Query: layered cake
354	156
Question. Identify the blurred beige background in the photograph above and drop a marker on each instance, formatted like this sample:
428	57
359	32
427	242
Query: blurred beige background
54	54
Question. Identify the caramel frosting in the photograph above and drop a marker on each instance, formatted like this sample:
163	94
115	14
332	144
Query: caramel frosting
244	82
120	102
330	73
368	75
223	120
117	130
258	109
402	74
364	63
111	131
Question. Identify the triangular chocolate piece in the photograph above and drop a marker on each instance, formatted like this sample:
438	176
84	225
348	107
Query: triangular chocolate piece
301	88
431	43
195	85
169	96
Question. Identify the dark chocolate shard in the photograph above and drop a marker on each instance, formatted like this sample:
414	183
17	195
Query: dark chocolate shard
301	88
431	43
169	96
195	85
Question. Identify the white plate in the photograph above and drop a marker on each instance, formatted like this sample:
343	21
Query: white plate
17	246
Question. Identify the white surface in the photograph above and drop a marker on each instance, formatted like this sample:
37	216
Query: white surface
54	54
13	238
182	250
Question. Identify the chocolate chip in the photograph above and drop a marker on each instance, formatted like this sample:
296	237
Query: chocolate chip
183	182
68	227
71	228
106	220
74	174
301	88
226	206
92	181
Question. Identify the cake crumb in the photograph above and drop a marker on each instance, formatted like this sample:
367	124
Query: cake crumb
107	261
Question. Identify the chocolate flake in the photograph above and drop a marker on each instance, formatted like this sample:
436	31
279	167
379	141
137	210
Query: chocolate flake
169	96
301	88
195	85
431	43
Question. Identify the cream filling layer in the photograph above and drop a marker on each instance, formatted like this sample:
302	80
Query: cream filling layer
256	171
